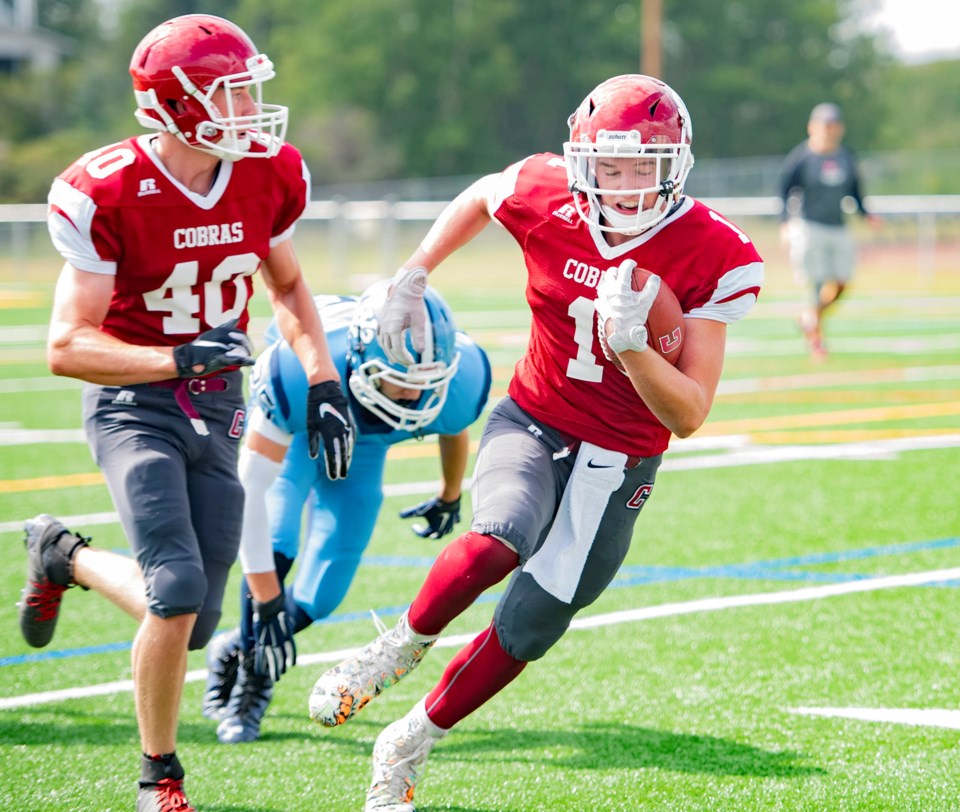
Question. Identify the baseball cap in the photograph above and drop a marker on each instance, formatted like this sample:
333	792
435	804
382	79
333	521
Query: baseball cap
827	113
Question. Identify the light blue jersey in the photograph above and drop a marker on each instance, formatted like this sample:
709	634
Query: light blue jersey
342	513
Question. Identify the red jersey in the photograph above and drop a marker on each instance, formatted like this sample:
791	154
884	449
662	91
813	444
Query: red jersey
182	262
563	378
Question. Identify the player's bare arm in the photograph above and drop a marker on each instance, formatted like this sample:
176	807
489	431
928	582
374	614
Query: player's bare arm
681	396
296	313
454	453
77	348
329	424
264	586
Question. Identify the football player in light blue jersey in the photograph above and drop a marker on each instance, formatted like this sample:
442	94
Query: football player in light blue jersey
442	393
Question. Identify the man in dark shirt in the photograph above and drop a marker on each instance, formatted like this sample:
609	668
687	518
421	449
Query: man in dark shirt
821	172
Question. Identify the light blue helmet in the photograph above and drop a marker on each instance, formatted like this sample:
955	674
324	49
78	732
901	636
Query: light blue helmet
431	373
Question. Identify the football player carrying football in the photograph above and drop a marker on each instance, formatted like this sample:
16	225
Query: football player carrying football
161	235
442	393
567	461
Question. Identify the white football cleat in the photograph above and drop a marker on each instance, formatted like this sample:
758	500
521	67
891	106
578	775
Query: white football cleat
348	687
399	758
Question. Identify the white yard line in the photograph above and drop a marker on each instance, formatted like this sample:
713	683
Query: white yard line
608	619
732	450
921	717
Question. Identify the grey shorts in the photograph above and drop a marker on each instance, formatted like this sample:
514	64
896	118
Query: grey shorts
177	492
522	470
822	254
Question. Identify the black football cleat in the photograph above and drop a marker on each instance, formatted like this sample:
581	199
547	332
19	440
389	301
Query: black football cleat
248	703
223	663
50	550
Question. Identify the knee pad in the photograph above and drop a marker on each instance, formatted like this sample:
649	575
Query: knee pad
176	588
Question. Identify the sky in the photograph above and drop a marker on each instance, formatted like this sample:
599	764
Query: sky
921	29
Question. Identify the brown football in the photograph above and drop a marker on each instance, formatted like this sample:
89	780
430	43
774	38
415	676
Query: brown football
664	323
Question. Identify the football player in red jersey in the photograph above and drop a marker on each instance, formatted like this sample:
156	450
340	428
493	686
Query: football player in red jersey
568	459
161	235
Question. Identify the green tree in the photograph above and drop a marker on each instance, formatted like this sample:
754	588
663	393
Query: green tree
383	89
750	71
919	122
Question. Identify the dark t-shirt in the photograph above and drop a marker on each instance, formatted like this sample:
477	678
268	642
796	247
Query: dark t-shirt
823	180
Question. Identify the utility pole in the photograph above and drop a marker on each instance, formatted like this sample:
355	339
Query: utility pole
651	21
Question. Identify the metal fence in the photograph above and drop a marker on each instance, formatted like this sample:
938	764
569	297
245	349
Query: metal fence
383	228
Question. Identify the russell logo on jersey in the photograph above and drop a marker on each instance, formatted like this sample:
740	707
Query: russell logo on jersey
148	186
125	397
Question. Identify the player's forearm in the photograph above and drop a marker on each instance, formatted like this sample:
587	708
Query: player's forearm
86	353
300	325
264	586
454	454
258	468
681	396
677	401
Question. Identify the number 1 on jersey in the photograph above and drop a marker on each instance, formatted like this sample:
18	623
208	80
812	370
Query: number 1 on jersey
584	367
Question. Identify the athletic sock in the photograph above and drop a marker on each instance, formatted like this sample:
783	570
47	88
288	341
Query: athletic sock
478	672
154	768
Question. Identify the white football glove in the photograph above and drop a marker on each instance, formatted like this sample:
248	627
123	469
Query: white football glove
626	307
404	310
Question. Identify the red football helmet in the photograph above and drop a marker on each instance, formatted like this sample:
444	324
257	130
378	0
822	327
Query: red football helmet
179	66
630	116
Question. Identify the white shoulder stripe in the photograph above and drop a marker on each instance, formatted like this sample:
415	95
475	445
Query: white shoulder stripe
70	215
77	205
735	294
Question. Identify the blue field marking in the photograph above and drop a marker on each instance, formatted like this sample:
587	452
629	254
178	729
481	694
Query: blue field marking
780	569
63	654
865	552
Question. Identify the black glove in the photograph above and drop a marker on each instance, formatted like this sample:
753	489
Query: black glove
273	647
329	423
441	517
223	346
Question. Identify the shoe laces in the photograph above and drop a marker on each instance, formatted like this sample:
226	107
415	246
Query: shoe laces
395	638
170	796
372	654
44	599
381	626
